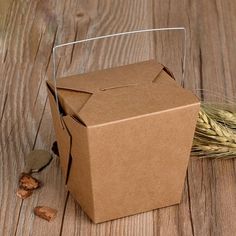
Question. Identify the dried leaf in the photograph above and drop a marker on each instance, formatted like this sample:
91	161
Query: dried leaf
46	213
27	182
23	194
36	160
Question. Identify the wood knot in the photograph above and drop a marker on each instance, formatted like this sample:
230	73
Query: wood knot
80	14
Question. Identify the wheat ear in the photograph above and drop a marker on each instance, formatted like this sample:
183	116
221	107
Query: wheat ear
213	139
224	116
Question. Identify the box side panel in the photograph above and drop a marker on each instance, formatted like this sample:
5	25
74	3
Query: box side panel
79	176
62	135
140	164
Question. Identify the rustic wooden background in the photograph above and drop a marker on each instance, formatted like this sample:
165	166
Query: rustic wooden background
28	32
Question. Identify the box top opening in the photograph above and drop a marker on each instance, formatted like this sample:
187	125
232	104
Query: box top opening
120	93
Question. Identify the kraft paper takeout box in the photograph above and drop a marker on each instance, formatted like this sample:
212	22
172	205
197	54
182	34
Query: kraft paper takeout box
124	138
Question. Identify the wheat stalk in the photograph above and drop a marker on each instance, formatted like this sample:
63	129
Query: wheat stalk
213	139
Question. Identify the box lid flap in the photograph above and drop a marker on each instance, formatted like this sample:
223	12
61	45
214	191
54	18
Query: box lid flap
112	77
135	101
124	92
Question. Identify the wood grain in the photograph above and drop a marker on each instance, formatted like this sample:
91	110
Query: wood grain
28	32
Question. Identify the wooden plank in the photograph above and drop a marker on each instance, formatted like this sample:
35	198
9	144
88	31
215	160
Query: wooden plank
53	193
26	122
10	165
212	206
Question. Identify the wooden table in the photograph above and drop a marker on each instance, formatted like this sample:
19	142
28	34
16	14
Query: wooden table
28	32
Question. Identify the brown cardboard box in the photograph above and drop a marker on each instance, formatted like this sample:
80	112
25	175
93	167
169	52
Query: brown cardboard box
124	138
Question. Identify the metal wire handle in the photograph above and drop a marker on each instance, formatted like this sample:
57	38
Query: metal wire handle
115	35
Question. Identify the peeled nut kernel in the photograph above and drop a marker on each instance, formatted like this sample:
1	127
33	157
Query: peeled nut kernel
27	182
23	194
46	213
